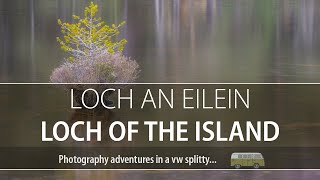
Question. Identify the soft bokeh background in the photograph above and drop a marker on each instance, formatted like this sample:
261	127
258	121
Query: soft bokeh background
173	41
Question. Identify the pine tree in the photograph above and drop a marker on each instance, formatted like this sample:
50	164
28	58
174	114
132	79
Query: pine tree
90	35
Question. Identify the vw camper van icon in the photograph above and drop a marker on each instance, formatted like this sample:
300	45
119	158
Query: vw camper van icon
247	159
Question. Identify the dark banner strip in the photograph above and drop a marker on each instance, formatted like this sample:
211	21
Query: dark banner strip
160	158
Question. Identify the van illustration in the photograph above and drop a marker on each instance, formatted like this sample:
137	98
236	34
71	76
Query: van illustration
247	159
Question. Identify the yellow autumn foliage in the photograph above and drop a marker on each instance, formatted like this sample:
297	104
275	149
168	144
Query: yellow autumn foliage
90	35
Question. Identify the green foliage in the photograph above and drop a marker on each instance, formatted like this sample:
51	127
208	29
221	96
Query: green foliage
90	35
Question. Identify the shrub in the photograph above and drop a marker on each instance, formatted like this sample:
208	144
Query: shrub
103	68
96	55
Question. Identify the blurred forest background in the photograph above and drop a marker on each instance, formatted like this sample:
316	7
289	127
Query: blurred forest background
175	40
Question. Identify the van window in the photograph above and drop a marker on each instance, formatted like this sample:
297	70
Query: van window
257	156
240	156
245	156
250	156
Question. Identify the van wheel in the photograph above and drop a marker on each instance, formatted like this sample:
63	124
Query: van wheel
237	166
256	166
